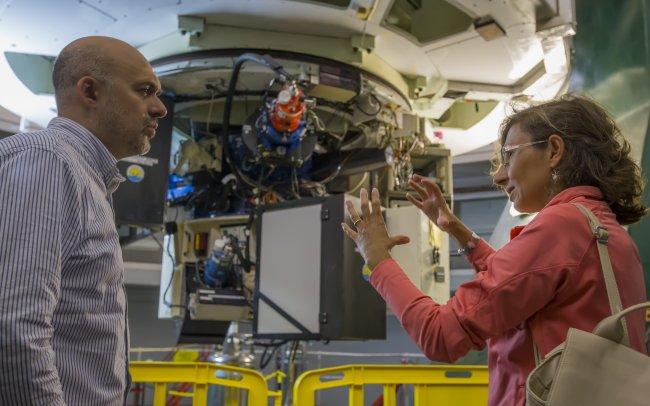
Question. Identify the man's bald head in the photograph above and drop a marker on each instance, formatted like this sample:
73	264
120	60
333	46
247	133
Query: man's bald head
97	57
109	87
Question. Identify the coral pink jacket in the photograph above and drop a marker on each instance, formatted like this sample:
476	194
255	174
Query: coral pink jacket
545	280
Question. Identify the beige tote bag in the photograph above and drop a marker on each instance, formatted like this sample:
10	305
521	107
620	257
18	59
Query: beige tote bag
594	369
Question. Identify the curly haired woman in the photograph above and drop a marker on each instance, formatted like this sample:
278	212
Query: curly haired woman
548	277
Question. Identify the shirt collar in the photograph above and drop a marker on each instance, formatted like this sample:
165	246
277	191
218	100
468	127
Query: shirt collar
95	152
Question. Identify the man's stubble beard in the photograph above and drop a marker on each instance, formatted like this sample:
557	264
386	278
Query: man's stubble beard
113	123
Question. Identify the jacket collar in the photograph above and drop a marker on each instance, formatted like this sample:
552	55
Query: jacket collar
570	194
566	196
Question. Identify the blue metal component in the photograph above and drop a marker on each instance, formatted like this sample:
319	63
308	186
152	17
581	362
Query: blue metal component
178	188
280	174
217	268
271	139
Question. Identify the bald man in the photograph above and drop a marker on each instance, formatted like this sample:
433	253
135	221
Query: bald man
63	327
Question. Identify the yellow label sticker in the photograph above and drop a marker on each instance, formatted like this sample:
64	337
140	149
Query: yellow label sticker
135	173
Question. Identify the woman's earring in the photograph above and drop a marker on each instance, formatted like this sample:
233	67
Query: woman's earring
554	175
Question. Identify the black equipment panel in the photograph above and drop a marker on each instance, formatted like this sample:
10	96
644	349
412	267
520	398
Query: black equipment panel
348	307
140	200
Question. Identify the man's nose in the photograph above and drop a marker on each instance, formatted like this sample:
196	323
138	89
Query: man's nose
158	110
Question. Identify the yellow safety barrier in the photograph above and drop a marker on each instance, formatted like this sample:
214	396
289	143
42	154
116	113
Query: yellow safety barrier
200	375
433	384
276	395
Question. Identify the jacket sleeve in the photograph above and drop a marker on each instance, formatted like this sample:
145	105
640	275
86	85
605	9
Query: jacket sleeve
480	255
512	284
33	191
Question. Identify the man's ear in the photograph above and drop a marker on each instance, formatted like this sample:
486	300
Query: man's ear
556	149
88	89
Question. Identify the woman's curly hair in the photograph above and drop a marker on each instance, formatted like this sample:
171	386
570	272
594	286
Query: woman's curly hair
595	151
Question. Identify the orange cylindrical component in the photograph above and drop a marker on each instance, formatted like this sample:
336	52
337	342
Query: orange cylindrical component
287	109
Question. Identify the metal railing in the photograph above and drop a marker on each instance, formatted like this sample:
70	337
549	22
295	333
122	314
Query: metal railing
432	384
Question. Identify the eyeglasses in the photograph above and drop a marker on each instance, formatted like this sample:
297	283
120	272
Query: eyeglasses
507	150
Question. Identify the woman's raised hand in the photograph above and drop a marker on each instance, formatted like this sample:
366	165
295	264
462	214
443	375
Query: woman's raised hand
432	202
369	230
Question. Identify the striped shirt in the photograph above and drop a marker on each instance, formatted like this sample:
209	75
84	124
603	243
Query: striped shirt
63	330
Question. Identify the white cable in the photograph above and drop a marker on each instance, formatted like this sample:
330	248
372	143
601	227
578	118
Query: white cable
207	124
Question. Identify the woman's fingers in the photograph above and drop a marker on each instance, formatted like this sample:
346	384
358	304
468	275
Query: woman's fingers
398	240
365	208
376	204
418	188
432	188
349	231
414	200
352	211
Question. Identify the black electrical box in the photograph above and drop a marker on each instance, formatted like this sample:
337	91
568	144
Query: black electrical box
310	283
140	200
202	331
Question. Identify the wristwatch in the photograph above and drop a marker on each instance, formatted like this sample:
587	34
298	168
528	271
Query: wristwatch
471	244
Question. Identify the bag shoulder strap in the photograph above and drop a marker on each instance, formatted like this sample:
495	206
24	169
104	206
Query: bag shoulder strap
602	236
612	327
